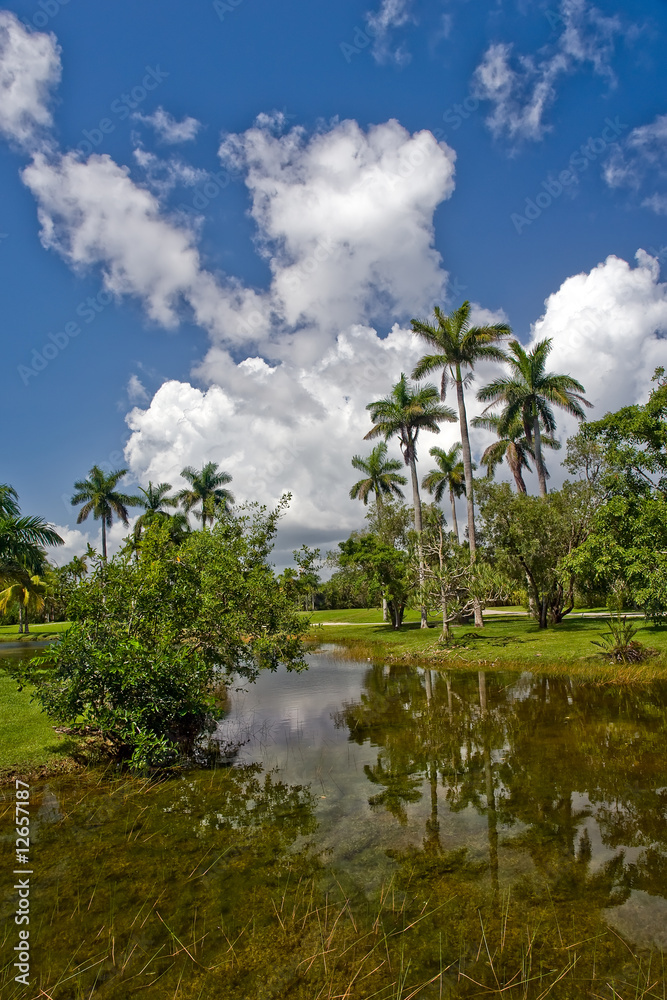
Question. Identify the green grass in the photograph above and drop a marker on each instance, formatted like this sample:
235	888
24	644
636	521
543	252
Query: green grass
504	641
10	633
28	742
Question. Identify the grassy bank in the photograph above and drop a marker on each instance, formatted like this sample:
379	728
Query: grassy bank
508	639
10	633
29	744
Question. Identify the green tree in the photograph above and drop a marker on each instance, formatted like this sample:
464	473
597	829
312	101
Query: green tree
629	444
385	566
308	561
449	475
532	539
152	637
207	488
99	497
529	394
383	479
403	414
513	446
456	348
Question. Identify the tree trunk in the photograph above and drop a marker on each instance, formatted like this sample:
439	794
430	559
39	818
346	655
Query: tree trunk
378	514
467	470
418	528
20	618
446	631
455	523
104	538
515	467
541	474
26	627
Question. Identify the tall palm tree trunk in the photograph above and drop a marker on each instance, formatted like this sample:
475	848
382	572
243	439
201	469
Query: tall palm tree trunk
20	618
537	437
467	470
418	528
455	523
104	538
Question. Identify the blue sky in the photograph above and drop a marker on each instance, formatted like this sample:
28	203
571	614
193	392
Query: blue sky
186	187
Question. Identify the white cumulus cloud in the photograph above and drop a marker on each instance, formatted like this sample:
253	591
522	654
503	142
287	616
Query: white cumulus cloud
29	70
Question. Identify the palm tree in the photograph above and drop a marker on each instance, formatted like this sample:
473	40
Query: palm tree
528	394
513	446
449	475
29	591
21	537
153	501
382	477
457	346
206	488
403	414
100	498
9	506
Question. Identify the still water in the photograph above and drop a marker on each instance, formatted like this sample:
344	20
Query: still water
377	831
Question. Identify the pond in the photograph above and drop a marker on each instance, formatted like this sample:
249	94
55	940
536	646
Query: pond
378	831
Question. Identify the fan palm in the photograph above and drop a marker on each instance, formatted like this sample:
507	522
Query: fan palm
206	488
528	394
99	497
512	446
449	475
382	476
403	414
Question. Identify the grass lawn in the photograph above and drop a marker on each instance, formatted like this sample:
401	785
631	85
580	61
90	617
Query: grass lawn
28	742
10	633
507	641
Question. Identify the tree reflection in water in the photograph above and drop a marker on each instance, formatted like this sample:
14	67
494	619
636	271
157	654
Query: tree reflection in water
570	776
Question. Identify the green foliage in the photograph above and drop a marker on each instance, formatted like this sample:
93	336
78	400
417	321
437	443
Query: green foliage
619	645
532	540
634	440
627	550
454	585
152	636
384	566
